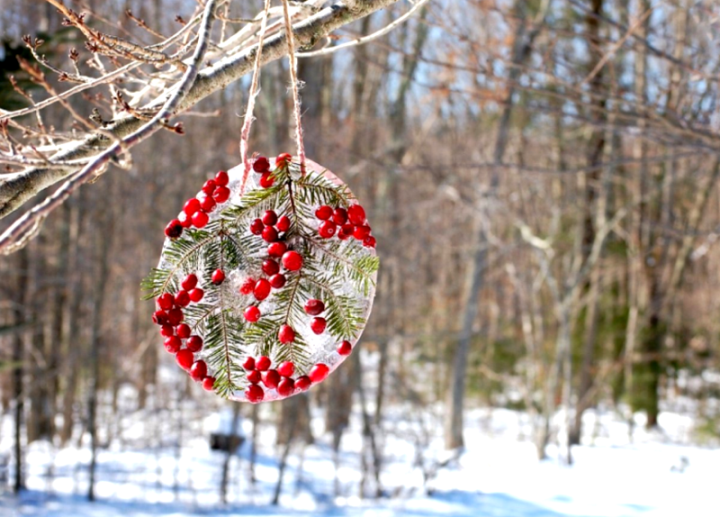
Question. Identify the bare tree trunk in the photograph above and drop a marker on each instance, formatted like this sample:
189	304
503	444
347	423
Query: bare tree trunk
23	265
230	452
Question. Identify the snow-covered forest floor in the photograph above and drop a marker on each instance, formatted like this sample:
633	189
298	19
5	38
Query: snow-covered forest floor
144	472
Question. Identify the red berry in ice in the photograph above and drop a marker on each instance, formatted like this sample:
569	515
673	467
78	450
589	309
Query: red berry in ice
247	286
222	179
277	281
276	249
314	307
340	216
200	219
261	290
270	267
286	369
198	370
292	260
207	204
344	348
182	299
270	379
285	387
160	318
252	314
254	376
190	282
269	234
192	205
172	344
361	232
324	212
267	180
167	331
194	343
221	194
319	372
286	334
263	363
208	383
196	294
174	229
261	164
283	224
184	358
249	363
218	277
270	218
256	227
166	301
356	214
254	393
208	187
175	316
369	241
183	331
185	220
318	325
327	229
283	159
303	383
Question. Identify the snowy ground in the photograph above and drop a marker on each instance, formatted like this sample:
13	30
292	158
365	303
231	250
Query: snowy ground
498	476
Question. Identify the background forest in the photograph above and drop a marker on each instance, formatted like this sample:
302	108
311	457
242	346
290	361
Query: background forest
542	178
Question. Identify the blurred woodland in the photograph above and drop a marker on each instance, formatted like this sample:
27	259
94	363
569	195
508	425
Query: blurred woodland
542	177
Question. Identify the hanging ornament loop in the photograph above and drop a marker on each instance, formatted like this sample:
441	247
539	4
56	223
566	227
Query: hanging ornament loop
294	85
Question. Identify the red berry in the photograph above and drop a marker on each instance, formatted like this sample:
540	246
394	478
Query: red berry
183	331
261	164
286	369
198	370
344	348
252	314
174	229
270	267
369	241
218	277
182	299
342	235
196	294
254	393
263	363
172	344
267	180
247	286
194	343
167	331
190	282
208	383
327	229
356	214
160	318
277	281
270	379
207	203
269	234
314	307
303	383
270	218
318	325
292	260
256	227
348	229
249	363
175	316
286	387
222	179
262	289
254	376
166	301
361	232
184	358
200	219
340	216
276	249
192	205
283	159
221	194
319	372
286	334
185	220
283	224
324	212
208	187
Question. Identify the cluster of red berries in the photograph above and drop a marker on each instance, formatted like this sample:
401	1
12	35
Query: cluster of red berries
280	378
345	224
179	339
196	209
261	165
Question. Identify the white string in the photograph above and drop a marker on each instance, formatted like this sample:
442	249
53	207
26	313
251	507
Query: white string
294	86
